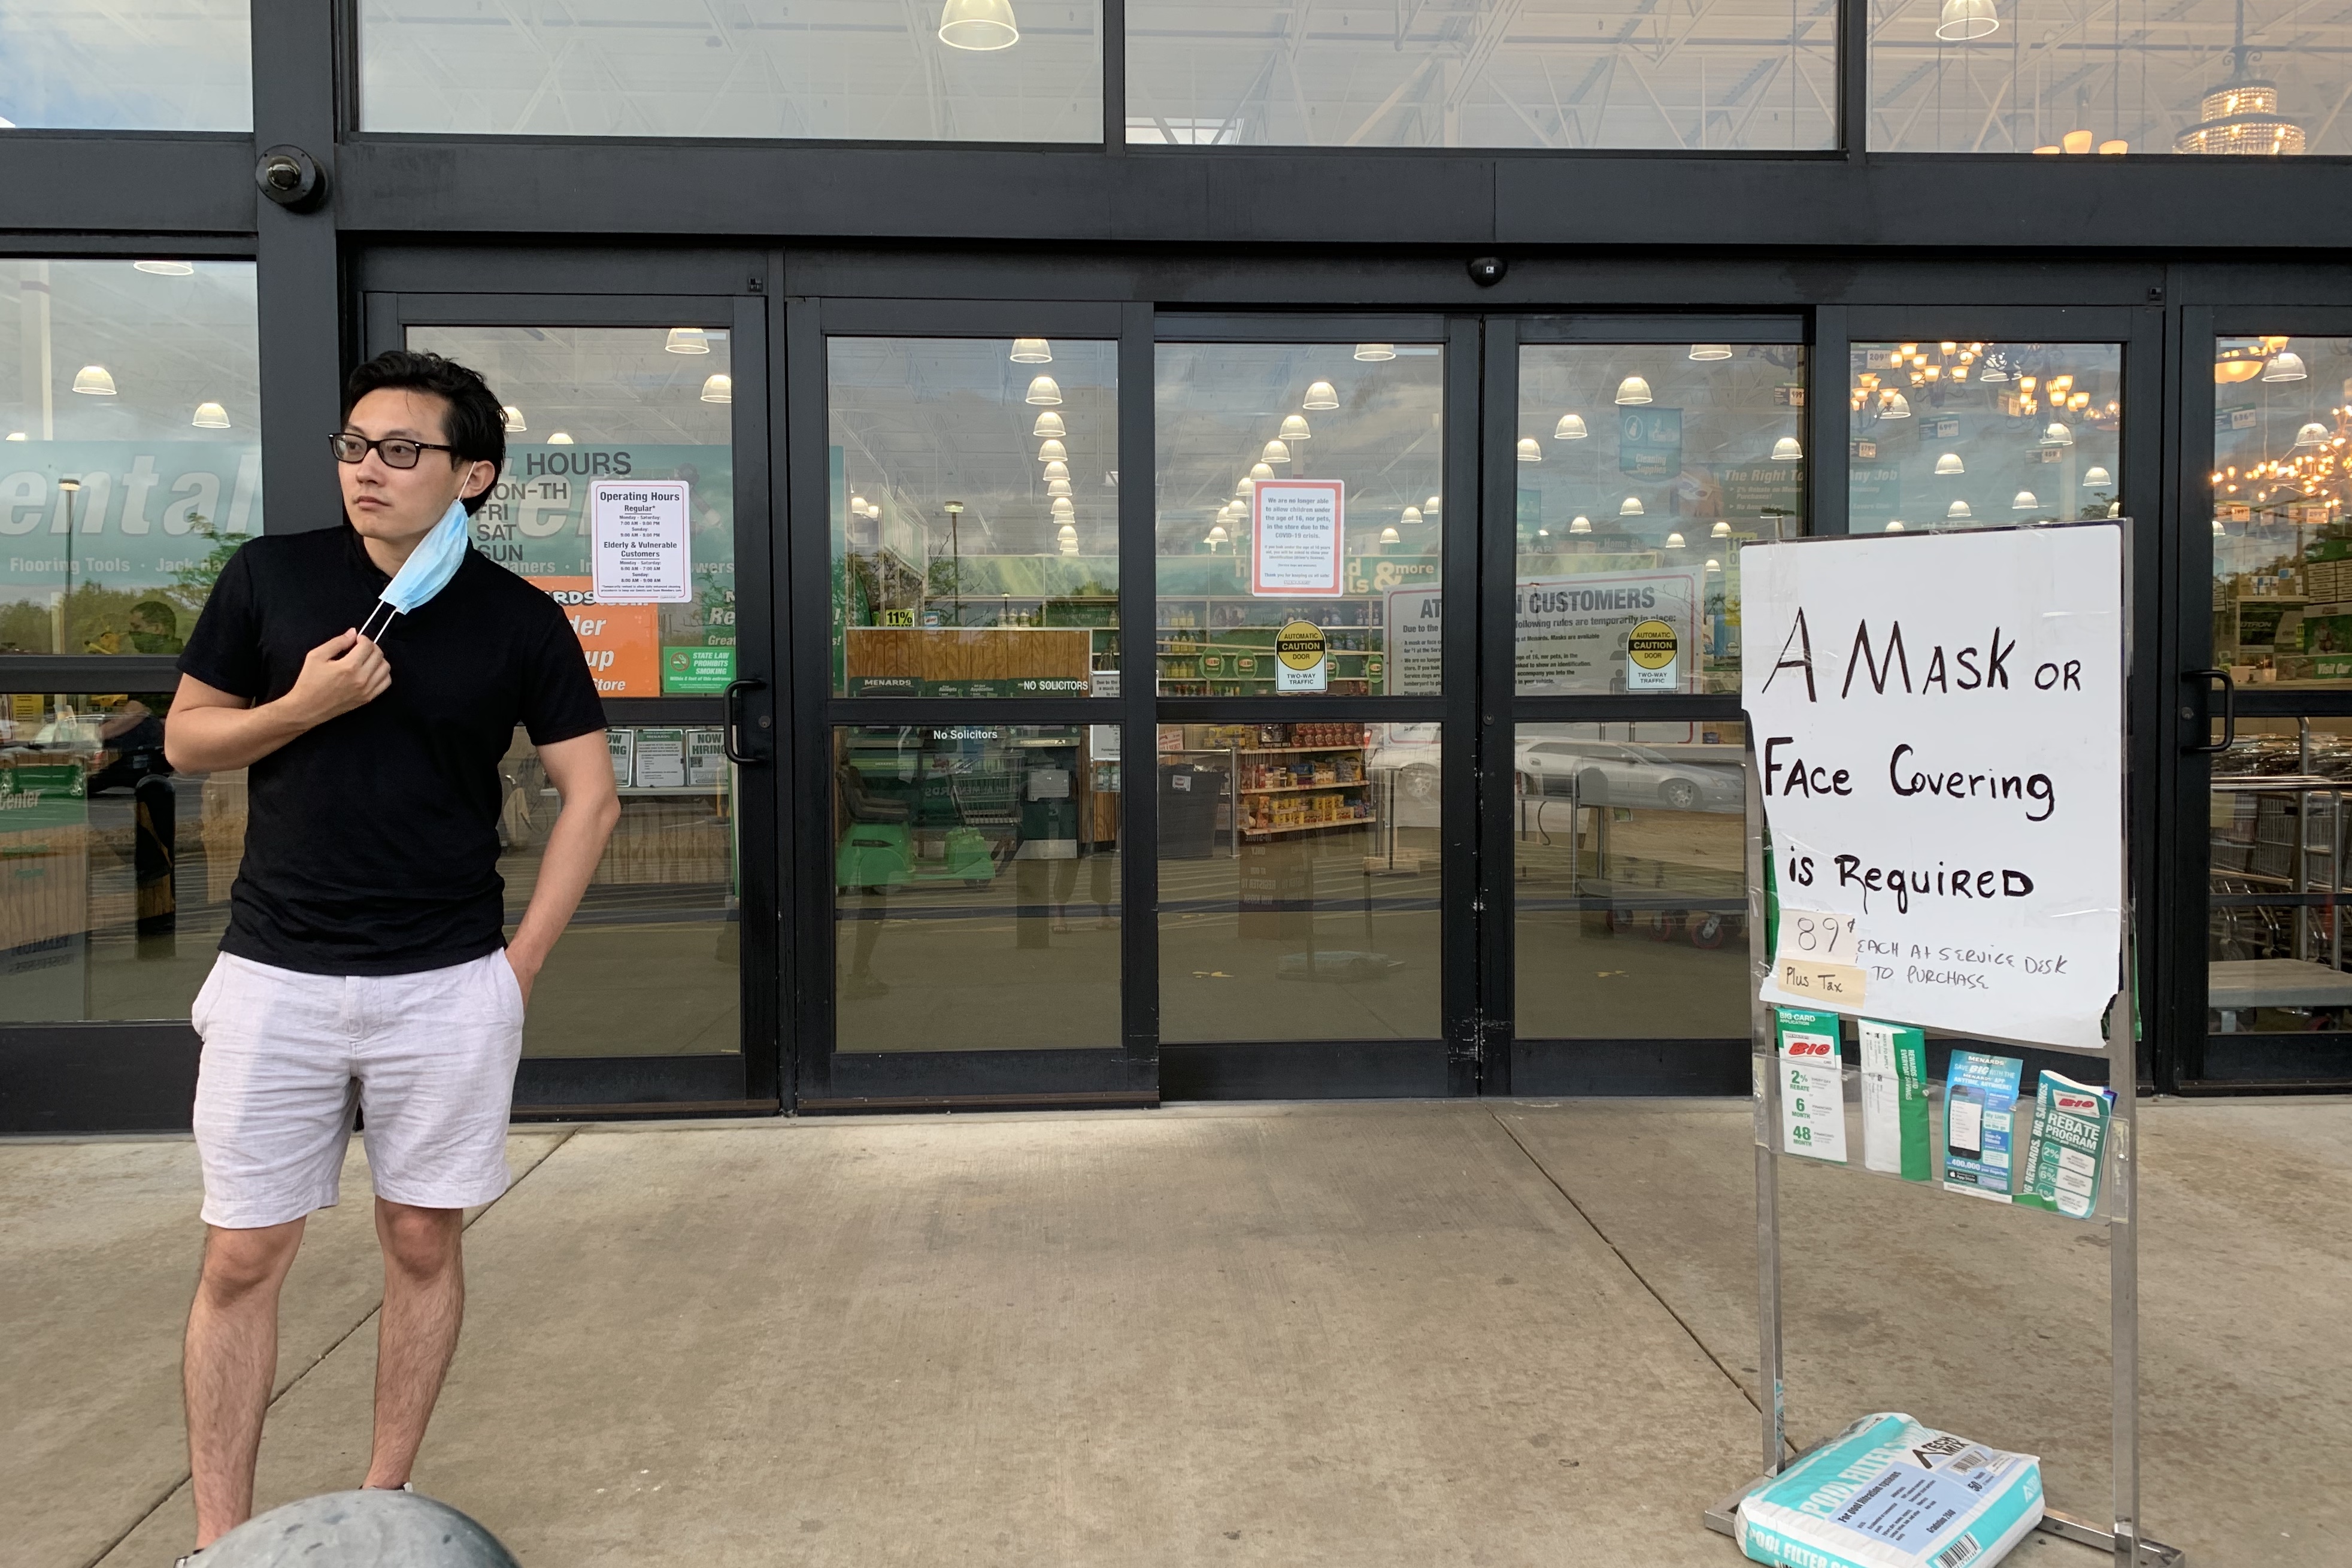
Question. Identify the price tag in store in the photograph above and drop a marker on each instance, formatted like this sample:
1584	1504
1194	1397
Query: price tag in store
1817	959
1812	1088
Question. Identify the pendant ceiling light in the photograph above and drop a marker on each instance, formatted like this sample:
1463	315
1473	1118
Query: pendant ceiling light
1243	486
978	24
718	388
2284	366
1056	470
1045	390
1376	351
2242	116
1959	511
92	380
1321	394
2056	434
1710	350
514	427
1580	525
1052	451
1996	369
1058	486
1713	564
1294	428
1530	449
1570	428
1720	531
1674	541
1949	464
164	268
1409	515
1633	389
1963	21
1275	452
1894	525
559	438
2098	480
1630	507
687	340
1261	471
1064	507
1895	405
1429	505
1389	536
1787	450
210	416
2024	501
1067	537
2312	435
18	435
1031	351
1047	425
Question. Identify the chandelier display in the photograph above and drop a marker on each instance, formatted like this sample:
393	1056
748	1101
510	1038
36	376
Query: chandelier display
2242	116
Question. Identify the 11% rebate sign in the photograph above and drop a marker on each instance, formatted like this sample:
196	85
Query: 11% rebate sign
1939	725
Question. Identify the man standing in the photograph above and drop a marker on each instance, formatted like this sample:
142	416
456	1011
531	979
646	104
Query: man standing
364	962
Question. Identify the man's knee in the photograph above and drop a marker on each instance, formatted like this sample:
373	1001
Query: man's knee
239	1262
419	1241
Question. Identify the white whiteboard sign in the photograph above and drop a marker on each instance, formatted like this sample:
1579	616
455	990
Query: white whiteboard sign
1415	624
1295	538
639	529
1572	630
1938	725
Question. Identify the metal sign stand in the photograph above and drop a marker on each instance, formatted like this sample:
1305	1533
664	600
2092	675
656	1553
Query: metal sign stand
2123	1538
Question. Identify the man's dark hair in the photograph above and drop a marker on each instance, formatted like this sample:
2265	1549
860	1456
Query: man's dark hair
478	426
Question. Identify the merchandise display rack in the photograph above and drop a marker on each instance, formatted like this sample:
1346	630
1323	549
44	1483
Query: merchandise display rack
1258	803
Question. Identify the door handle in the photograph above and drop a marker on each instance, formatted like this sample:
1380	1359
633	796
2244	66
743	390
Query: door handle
733	699
2228	708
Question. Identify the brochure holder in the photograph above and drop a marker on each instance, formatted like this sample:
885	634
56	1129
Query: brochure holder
2119	1201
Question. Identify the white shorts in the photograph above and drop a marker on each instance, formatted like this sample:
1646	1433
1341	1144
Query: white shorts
429	1057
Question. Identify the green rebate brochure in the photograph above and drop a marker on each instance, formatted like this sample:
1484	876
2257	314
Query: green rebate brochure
1894	1100
2066	1153
1812	1085
1980	1121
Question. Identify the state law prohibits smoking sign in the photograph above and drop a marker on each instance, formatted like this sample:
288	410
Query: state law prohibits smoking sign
640	531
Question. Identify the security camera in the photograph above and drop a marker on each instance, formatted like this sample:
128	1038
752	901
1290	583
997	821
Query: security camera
1486	271
291	178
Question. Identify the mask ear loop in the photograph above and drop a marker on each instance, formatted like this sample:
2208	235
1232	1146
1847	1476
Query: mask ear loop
373	629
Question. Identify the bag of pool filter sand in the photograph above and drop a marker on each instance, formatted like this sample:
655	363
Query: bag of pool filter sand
1888	1492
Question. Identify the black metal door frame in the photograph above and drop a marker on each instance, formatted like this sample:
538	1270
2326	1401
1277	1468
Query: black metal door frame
751	1078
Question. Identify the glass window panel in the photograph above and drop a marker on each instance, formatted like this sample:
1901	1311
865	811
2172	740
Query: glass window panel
1741	74
1348	440
131	464
2195	77
1642	469
163	65
1958	435
974	70
650	966
119	869
1299	870
1630	881
2278	1000
2282	541
974	516
976	892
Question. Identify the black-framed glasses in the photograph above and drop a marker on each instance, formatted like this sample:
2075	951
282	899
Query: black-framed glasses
397	451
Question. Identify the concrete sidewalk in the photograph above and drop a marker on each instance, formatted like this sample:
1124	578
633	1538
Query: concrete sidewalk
1464	1333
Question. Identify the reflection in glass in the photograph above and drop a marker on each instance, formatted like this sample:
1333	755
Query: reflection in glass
2278	884
2282	541
974	516
1629	882
1972	435
131	467
976	894
117	869
1354	493
1002	70
625	403
2200	78
1298	882
1642	469
1743	74
651	965
167	65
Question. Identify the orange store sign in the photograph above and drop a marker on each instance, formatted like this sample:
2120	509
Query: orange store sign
621	642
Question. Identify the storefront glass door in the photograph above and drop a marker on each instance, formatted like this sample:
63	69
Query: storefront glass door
661	992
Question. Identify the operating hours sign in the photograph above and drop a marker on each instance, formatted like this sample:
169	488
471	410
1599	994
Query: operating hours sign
1939	730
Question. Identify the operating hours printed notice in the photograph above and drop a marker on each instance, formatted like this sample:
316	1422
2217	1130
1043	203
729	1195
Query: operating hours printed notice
1939	725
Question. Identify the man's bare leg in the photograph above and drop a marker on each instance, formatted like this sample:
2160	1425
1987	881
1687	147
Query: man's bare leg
423	1303
230	1360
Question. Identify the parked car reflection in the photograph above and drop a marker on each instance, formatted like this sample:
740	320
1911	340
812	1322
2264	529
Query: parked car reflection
1616	773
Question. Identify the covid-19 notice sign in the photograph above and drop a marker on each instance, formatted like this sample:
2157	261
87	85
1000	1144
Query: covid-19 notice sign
1938	731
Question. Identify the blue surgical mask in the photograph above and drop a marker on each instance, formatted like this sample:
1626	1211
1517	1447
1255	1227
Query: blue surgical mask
426	572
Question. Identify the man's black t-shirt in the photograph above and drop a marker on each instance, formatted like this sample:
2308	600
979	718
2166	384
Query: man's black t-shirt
371	843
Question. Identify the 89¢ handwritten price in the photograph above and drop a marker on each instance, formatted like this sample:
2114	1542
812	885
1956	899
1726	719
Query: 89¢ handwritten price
1817	957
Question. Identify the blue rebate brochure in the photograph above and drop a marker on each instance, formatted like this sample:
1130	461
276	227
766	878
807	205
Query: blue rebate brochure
1979	1123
